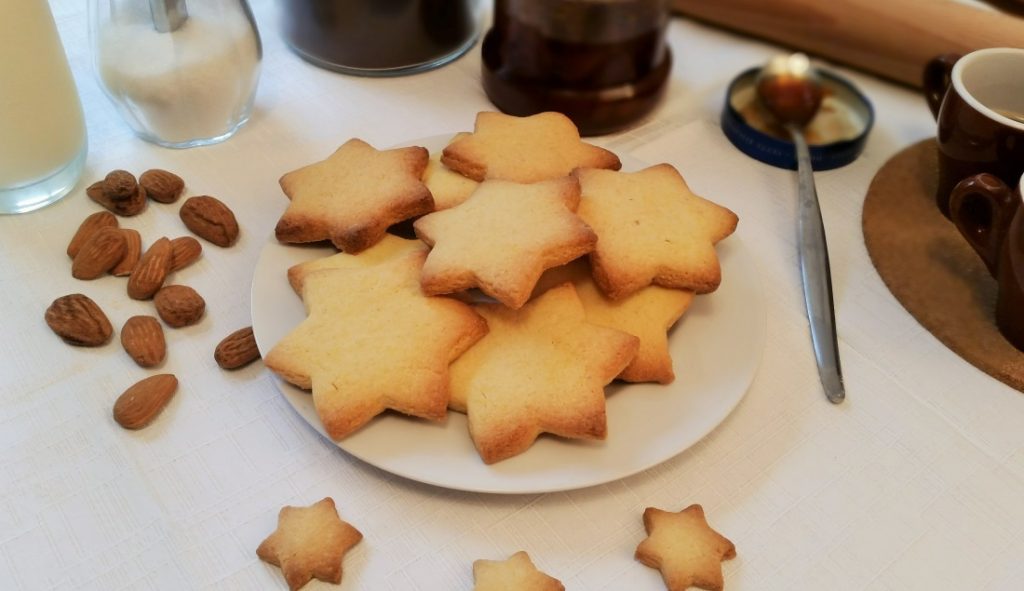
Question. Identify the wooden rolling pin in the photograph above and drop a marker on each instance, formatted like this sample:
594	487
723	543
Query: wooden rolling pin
891	38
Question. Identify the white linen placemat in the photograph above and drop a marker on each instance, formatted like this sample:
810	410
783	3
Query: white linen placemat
913	483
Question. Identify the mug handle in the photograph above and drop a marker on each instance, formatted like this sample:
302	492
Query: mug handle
936	79
982	207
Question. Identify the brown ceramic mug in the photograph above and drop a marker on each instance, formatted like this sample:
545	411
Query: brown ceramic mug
988	214
978	102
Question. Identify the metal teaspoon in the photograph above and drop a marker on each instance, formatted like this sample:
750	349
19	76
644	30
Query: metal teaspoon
791	90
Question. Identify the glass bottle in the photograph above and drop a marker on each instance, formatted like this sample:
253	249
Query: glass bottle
182	73
42	131
603	63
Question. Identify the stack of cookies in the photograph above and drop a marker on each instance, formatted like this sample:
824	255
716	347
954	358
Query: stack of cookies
539	273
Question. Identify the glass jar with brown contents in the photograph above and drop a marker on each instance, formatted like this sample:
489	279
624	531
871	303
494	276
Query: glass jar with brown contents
380	37
603	63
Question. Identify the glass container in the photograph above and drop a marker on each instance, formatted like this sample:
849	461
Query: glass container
181	73
42	130
603	63
380	37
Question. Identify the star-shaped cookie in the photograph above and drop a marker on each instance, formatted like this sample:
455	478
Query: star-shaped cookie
354	195
684	548
540	369
389	247
448	187
503	238
647	314
515	574
652	229
309	542
373	341
524	149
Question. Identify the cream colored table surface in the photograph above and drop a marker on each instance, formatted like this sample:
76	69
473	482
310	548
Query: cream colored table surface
916	482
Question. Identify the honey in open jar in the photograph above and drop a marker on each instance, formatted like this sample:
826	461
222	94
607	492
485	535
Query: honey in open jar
603	63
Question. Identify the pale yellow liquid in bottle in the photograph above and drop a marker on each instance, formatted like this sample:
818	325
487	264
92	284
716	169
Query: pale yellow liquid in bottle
41	124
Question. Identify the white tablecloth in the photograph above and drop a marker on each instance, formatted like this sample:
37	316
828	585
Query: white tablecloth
914	483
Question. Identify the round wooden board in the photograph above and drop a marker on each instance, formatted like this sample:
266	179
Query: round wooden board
929	266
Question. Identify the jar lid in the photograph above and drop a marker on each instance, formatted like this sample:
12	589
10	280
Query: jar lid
836	136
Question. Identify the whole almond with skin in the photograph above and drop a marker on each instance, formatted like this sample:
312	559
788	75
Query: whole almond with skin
132	252
149	273
129	206
208	218
143	339
143	401
119	185
89	226
237	349
179	305
161	185
77	320
99	254
185	250
95	192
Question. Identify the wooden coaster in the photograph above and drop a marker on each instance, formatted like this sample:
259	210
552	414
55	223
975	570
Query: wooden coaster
929	266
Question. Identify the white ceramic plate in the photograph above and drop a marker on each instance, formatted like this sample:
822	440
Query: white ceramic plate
716	348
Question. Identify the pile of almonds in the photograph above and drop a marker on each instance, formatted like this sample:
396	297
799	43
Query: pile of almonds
100	247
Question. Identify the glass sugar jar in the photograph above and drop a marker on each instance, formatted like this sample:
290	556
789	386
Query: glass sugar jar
181	73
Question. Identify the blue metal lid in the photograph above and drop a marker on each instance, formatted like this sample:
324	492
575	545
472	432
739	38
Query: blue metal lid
836	135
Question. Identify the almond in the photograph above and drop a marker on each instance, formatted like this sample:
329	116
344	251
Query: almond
132	205
143	401
95	192
151	270
237	349
143	339
179	305
119	185
79	321
132	252
89	226
161	185
208	218
185	250
99	254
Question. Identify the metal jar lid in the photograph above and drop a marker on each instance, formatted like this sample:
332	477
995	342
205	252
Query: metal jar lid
836	135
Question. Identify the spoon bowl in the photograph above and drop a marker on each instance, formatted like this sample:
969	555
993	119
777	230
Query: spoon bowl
791	89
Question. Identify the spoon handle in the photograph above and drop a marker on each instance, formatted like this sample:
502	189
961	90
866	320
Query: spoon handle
817	280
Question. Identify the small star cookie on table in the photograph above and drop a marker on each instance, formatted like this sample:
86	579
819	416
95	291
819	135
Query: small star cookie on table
540	369
518	573
652	228
524	149
648	314
684	548
309	542
503	238
354	195
373	341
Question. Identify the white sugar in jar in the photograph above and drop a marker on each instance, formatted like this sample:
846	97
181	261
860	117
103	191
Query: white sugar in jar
190	86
